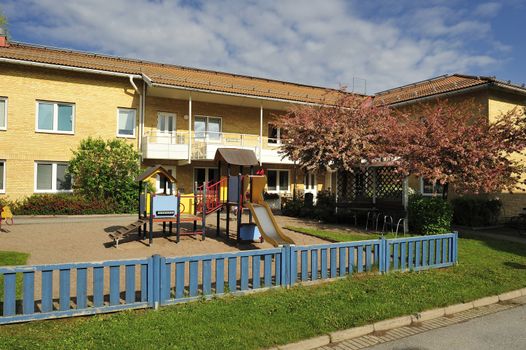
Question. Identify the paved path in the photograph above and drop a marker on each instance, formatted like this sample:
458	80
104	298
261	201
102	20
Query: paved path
498	326
502	330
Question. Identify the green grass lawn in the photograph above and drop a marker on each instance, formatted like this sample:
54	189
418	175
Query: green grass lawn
12	258
280	316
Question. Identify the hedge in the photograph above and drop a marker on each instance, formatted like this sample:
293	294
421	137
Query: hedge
476	211
429	215
59	204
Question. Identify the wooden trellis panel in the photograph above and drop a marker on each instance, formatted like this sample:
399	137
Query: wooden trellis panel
364	184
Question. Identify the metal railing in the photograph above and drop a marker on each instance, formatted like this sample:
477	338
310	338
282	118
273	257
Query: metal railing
209	137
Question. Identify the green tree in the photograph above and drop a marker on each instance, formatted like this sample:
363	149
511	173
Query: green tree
106	170
3	21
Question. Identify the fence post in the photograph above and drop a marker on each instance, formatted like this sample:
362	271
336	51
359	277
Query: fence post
156	280
285	266
455	247
293	266
387	255
381	253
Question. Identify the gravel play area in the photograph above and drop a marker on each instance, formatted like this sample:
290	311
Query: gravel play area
75	239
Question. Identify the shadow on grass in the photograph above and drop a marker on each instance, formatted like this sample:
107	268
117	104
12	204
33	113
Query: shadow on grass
515	265
496	244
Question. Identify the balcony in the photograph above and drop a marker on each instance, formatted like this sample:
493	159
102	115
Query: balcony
176	145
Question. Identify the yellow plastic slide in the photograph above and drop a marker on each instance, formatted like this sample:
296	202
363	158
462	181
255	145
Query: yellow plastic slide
265	220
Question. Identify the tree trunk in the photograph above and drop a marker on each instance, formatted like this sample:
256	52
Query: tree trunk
445	190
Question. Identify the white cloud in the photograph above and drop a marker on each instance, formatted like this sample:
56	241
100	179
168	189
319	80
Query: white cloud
488	9
314	42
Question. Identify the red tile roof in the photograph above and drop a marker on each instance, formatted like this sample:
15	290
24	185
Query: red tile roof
172	75
439	85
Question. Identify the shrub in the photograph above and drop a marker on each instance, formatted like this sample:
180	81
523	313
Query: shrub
323	210
60	204
476	211
105	171
429	215
270	195
293	207
325	207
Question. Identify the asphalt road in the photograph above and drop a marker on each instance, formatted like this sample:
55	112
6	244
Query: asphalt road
504	330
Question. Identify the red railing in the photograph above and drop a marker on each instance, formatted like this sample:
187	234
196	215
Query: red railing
212	196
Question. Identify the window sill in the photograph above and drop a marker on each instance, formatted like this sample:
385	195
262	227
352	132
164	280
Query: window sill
126	136
55	132
52	192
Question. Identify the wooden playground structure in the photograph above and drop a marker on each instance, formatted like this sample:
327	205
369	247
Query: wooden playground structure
239	193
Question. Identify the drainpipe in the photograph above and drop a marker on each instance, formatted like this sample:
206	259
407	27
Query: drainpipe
190	129
141	114
260	134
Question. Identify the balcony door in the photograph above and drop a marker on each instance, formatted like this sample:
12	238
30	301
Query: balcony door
165	123
207	129
310	184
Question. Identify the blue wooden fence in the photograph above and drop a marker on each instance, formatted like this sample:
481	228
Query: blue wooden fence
65	290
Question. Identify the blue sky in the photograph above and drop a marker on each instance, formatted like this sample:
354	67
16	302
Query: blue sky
388	43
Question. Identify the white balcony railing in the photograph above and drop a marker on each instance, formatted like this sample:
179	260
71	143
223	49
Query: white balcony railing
176	145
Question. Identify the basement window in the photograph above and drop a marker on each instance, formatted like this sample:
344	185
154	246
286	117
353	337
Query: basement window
55	117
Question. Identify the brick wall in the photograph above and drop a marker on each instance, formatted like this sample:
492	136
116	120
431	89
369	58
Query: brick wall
96	99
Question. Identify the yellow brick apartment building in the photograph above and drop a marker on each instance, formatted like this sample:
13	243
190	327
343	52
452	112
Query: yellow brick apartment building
51	99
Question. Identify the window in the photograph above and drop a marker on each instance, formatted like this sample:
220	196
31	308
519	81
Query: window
205	174
55	117
274	134
165	122
52	177
161	181
427	189
207	128
309	180
126	122
2	176
3	113
277	180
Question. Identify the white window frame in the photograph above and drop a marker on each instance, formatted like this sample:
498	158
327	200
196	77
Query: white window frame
158	188
312	180
207	138
165	115
55	118
4	176
5	113
134	122
277	139
53	178
427	194
278	186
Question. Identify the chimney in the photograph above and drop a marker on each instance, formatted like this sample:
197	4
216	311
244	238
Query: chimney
3	38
